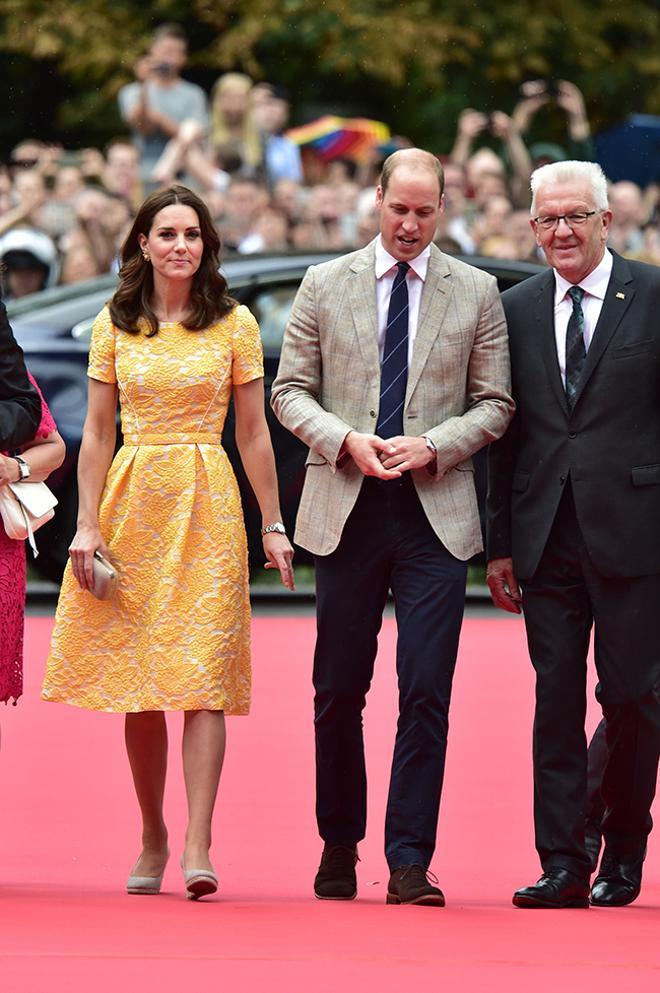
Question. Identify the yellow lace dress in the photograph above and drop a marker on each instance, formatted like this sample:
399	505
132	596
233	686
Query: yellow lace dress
176	636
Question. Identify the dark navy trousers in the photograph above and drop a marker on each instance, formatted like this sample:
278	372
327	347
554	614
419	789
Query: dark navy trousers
387	543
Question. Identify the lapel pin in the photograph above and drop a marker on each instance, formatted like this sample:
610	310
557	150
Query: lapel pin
621	296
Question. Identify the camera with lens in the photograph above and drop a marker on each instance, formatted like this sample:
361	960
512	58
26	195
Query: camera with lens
540	87
164	69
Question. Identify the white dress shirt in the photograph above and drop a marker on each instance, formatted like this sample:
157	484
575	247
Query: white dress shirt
594	286
385	273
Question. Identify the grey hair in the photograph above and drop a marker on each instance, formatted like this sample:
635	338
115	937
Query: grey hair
566	172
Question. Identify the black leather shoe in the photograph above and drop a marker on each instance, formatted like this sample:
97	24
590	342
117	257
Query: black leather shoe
593	840
557	888
414	884
619	880
336	879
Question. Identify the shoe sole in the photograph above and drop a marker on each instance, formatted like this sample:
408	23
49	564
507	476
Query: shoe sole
530	904
340	898
420	901
144	885
197	888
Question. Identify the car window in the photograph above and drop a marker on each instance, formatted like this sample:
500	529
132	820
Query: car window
82	331
505	280
271	306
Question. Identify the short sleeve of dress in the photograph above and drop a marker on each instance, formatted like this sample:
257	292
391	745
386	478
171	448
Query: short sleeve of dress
101	364
47	424
248	356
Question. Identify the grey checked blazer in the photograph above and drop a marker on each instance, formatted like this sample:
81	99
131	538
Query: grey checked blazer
458	390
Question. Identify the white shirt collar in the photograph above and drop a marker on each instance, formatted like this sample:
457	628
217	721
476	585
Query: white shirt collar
595	284
386	262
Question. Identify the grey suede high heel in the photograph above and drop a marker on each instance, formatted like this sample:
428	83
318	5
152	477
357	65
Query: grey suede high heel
199	882
145	885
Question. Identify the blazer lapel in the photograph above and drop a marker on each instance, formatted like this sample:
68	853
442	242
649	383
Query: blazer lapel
618	297
544	313
436	295
362	299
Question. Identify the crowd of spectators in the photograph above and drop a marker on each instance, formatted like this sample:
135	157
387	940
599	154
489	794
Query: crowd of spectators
63	213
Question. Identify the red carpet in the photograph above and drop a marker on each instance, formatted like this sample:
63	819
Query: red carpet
69	834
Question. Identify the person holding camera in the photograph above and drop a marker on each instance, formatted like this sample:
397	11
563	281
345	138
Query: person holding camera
537	93
157	103
472	124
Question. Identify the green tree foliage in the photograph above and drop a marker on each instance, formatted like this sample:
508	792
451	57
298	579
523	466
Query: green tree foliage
414	64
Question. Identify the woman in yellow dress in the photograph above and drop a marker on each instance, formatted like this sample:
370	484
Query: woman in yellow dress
174	347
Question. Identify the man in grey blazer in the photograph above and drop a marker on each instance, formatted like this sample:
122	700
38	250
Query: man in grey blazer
394	371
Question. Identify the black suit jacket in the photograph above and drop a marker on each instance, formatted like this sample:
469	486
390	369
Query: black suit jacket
609	444
20	405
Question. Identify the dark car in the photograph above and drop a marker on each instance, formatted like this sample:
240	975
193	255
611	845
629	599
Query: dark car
54	328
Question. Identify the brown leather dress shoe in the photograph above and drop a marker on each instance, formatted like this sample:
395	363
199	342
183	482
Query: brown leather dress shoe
336	878
556	889
414	884
619	880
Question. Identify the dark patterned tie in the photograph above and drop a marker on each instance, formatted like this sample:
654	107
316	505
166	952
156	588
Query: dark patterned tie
576	353
394	370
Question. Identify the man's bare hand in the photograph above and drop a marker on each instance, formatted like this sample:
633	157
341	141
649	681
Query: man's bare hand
406	452
503	585
472	122
570	99
502	125
144	68
366	451
189	132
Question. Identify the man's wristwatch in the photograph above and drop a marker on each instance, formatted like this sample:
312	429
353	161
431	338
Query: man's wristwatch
277	527
23	467
429	444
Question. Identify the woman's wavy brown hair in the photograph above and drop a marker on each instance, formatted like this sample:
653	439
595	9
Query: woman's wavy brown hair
209	296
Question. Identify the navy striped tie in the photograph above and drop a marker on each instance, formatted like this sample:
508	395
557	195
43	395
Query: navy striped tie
394	370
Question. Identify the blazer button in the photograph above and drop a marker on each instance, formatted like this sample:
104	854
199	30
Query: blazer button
372	413
562	479
572	434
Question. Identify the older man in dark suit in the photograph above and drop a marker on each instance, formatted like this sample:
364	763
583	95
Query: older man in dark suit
20	406
574	514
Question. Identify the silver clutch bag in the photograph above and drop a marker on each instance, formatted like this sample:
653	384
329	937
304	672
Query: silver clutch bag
105	578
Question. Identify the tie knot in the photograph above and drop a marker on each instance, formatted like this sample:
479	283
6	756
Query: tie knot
402	270
576	293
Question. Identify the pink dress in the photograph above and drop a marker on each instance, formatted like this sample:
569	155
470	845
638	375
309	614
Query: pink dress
12	593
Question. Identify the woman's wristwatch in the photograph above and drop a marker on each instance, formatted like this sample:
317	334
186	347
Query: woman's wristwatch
277	527
23	467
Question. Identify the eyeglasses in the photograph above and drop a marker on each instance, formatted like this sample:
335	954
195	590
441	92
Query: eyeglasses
23	163
573	220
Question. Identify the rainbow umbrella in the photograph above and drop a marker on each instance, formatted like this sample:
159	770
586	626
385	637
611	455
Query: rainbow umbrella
334	137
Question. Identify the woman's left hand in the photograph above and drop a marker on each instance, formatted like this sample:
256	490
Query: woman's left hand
9	471
280	556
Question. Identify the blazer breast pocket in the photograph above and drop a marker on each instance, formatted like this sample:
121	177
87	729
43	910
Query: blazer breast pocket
645	475
641	347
